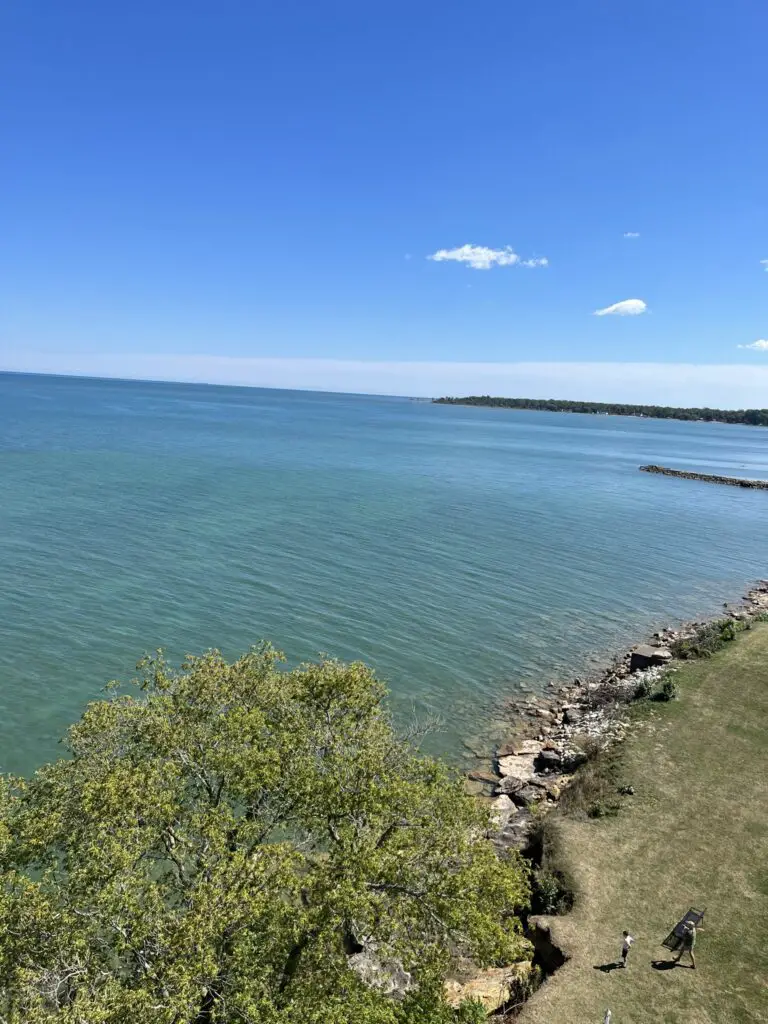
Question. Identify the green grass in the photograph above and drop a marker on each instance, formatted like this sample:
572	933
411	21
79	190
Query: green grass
694	835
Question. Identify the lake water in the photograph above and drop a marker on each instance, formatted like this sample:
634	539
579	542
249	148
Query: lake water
462	552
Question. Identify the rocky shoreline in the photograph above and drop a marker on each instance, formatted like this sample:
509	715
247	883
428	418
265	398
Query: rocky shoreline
550	734
550	738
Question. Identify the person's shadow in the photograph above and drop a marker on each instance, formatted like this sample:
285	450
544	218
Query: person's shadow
607	968
663	965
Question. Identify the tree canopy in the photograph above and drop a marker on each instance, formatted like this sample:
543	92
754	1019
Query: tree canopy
220	838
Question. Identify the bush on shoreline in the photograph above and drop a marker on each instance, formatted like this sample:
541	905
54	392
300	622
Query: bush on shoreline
709	638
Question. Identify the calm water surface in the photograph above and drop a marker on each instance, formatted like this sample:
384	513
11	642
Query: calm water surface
463	552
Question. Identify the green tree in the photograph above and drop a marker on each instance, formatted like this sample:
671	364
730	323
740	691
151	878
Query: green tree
218	842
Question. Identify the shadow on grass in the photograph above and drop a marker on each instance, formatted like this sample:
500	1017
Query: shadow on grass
607	968
663	965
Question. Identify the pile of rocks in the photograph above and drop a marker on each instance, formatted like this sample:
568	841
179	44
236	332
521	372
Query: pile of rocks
755	603
531	775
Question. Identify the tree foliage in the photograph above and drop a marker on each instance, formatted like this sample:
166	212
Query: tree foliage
751	417
220	839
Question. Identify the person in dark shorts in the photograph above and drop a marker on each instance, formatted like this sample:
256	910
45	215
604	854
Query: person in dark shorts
689	943
625	947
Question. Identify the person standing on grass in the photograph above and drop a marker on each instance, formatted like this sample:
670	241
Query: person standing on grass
689	942
625	947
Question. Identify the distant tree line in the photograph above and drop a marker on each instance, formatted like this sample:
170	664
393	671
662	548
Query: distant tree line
753	417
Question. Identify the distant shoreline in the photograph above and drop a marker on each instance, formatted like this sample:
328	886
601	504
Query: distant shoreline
748	417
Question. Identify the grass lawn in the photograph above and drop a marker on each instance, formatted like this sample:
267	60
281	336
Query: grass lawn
694	835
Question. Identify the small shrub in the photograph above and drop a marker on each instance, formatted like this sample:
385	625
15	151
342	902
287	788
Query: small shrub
668	691
602	809
471	1011
550	892
590	746
546	892
728	631
644	689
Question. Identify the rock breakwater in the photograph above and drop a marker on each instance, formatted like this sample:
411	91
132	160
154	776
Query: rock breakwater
710	478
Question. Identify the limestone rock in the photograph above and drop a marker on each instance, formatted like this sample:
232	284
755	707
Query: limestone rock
548	760
507	749
530	746
387	976
554	789
572	716
481	776
520	765
529	795
493	987
510	784
514	835
517	747
502	810
646	656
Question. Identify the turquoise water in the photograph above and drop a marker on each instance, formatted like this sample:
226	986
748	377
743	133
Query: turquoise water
463	552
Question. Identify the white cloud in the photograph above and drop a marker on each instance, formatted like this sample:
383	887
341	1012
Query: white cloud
761	345
719	386
631	234
629	307
480	257
764	263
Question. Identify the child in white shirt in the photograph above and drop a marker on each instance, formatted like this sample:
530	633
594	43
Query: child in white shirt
625	948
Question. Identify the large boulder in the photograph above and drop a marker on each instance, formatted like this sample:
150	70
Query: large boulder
646	656
515	834
502	810
479	775
548	761
555	785
519	747
529	795
509	785
522	766
494	987
387	976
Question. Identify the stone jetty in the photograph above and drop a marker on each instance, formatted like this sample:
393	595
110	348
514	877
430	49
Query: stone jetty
710	478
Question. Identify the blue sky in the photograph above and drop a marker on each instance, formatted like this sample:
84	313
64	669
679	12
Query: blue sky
209	191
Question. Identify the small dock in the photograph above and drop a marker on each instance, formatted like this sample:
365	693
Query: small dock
709	478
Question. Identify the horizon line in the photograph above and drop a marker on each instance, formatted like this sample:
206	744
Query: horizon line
537	372
63	375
